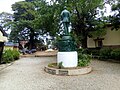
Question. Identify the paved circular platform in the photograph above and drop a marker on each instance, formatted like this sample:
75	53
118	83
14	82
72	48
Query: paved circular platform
68	71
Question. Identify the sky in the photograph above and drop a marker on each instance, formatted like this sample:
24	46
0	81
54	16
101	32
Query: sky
5	5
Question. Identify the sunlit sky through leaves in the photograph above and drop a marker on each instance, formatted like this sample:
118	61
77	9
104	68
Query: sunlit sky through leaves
5	6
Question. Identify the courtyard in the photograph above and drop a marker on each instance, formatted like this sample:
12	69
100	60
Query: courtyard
77	31
28	74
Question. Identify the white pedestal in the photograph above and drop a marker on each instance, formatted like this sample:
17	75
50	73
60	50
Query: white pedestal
68	59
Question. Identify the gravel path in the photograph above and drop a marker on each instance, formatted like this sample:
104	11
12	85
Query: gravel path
28	74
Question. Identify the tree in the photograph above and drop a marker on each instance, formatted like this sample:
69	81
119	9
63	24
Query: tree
24	15
47	17
5	19
84	18
115	19
34	16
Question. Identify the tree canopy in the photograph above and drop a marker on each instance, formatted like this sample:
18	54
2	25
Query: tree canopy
84	19
115	19
32	18
5	18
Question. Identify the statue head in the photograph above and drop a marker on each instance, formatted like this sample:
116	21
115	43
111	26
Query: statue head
65	7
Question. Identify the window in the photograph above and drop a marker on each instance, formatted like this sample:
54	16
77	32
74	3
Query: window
98	42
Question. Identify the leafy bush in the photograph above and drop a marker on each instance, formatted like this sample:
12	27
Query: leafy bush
93	51
105	53
115	54
83	59
7	56
80	50
83	51
10	55
60	65
16	54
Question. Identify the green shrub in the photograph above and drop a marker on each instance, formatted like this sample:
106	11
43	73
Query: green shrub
7	56
105	53
94	52
16	54
81	50
60	65
10	55
115	54
83	59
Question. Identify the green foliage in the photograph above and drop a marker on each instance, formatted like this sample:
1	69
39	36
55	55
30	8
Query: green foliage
16	54
10	55
76	38
115	54
115	19
23	11
84	19
98	33
108	53
24	16
7	56
105	53
27	20
60	65
35	18
6	18
81	50
83	59
38	15
52	65
94	52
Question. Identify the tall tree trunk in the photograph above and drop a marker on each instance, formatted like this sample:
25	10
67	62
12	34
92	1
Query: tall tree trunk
84	42
84	39
32	41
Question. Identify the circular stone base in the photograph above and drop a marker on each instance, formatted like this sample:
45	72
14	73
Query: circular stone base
68	71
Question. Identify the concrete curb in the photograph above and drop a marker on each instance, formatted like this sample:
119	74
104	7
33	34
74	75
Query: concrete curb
45	55
67	71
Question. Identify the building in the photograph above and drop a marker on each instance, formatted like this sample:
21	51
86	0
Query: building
111	39
3	35
3	38
10	45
